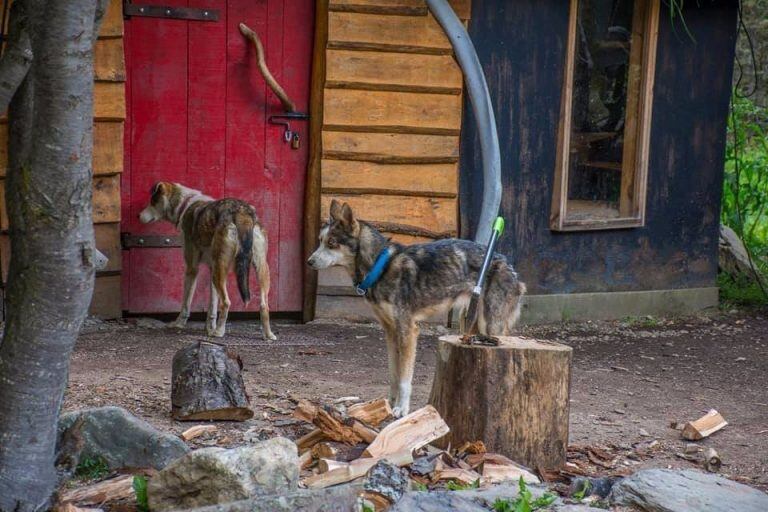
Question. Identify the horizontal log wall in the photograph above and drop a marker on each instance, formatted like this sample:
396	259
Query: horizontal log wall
392	108
109	115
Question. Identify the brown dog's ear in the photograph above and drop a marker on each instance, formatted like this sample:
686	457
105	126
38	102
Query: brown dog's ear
348	217
335	210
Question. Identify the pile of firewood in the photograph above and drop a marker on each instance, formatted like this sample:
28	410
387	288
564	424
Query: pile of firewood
348	441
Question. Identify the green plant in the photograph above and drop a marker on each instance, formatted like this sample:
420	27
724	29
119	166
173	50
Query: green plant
745	187
524	501
457	486
92	468
583	490
368	508
140	488
420	487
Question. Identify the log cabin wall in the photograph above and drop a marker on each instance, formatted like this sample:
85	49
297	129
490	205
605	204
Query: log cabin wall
676	249
392	108
109	114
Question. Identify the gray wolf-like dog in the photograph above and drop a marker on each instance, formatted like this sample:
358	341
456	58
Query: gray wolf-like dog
221	234
417	281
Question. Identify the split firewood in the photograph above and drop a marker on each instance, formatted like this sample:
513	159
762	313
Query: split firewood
463	476
712	462
305	459
113	489
410	433
69	507
324	451
472	448
356	469
497	473
476	459
326	465
307	441
344	430
704	426
377	501
371	413
196	431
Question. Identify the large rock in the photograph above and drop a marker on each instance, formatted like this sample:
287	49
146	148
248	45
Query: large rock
472	500
664	490
214	476
342	498
117	436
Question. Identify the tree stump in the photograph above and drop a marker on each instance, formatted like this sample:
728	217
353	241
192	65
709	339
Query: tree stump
207	384
513	397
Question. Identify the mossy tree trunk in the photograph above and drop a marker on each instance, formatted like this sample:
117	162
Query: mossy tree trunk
48	195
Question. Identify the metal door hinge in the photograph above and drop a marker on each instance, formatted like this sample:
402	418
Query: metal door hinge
168	12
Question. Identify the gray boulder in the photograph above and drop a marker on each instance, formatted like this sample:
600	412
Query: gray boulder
214	476
463	501
342	498
117	436
664	490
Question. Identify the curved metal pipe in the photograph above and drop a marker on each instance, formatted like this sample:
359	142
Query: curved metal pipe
480	98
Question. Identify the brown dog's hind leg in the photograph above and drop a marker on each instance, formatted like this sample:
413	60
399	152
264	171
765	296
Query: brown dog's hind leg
262	271
213	311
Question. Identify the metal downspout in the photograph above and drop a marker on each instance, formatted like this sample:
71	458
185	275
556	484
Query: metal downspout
480	98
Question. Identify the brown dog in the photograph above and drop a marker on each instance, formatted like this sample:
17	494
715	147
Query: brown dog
220	233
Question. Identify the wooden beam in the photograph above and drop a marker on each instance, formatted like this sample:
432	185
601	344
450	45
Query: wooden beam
312	189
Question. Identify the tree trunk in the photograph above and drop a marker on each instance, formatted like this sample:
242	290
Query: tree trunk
513	397
206	384
48	195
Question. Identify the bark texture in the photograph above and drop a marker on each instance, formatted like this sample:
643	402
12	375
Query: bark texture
48	194
513	397
17	57
207	384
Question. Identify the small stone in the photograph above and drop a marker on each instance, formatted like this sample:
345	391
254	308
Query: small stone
387	480
644	433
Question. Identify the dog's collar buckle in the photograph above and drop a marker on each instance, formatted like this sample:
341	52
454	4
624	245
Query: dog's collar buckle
373	275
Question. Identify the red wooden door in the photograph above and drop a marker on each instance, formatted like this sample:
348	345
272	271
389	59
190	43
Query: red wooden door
198	114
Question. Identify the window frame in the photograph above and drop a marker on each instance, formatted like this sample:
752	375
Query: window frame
634	174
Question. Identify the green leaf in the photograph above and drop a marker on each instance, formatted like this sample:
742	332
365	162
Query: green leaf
140	488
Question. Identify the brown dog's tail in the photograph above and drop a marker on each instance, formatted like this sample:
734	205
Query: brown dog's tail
243	259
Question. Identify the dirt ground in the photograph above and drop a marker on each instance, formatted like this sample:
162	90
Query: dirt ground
630	379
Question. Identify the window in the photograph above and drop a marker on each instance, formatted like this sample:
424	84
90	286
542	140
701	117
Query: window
602	161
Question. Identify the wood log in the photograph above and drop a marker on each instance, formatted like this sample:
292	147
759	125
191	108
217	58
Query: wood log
410	432
371	413
326	465
355	469
704	426
108	490
712	462
513	397
305	460
333	424
324	451
207	384
307	441
196	431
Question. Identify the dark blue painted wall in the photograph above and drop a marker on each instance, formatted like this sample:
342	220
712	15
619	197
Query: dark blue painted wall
521	44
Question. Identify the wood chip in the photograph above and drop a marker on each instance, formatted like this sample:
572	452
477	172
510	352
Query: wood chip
372	413
704	426
197	430
712	462
497	473
355	469
464	476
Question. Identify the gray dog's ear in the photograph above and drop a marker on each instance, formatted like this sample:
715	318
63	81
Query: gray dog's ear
347	217
335	210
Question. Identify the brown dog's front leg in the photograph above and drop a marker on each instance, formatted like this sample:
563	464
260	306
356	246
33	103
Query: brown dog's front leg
407	337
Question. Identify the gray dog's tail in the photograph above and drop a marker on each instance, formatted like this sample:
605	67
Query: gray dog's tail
243	261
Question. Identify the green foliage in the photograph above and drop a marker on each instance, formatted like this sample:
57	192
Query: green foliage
456	486
420	487
140	488
745	187
582	492
740	292
675	12
524	501
92	468
368	508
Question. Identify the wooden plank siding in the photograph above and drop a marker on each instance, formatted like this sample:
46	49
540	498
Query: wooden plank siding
391	120
109	115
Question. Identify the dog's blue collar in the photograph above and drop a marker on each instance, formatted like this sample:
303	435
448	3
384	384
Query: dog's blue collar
373	275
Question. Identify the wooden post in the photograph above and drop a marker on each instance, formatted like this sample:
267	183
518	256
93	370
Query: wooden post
207	384
513	397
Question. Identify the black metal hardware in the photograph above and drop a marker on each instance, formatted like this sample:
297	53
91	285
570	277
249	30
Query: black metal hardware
174	13
282	120
130	241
